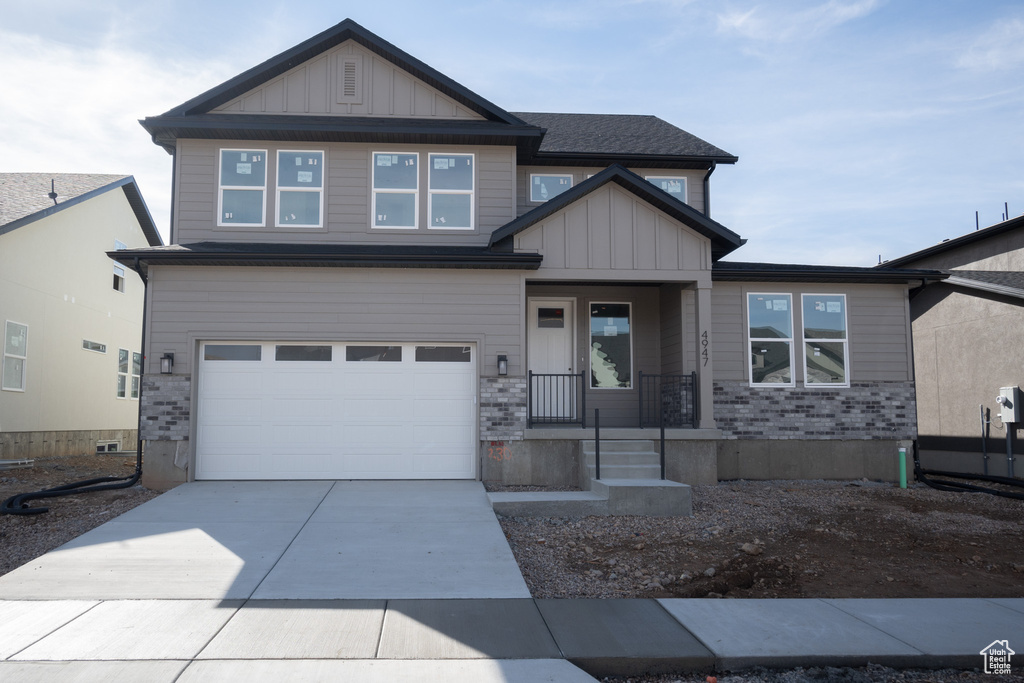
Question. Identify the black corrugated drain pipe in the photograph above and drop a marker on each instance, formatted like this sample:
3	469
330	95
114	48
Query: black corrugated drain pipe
925	477
18	503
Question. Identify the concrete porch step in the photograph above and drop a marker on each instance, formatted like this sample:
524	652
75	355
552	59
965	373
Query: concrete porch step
654	497
614	470
619	446
549	503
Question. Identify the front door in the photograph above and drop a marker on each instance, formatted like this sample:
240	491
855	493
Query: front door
551	349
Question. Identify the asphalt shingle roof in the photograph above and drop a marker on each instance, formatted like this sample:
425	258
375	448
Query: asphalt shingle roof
994	280
23	194
619	134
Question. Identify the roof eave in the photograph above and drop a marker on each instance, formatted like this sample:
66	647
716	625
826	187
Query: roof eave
678	161
969	238
721	272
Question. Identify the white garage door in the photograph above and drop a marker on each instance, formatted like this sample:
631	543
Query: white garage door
336	411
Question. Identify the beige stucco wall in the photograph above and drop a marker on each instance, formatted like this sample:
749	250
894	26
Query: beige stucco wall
56	278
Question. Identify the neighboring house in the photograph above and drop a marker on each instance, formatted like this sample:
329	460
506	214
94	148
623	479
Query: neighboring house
377	273
967	345
71	319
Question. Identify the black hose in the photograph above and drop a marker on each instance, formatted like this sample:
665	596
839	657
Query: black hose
924	476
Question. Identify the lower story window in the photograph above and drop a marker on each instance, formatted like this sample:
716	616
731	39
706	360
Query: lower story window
15	356
129	373
611	348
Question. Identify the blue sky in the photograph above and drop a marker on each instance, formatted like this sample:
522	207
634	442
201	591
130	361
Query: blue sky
863	127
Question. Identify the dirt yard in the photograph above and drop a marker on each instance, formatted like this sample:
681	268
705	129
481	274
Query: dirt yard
25	537
785	539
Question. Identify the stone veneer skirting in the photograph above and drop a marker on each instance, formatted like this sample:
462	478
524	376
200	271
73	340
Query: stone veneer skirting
865	410
166	407
502	408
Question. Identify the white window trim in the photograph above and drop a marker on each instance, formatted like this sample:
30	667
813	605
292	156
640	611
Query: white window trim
278	189
431	192
751	340
529	191
683	179
120	272
590	347
845	342
221	188
373	193
23	358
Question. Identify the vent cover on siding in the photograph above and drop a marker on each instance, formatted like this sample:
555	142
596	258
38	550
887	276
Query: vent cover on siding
350	79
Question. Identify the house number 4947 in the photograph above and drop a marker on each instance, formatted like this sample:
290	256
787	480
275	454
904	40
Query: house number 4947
705	354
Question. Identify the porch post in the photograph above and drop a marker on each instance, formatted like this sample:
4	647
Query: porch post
705	357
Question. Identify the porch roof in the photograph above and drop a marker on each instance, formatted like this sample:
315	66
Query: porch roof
737	271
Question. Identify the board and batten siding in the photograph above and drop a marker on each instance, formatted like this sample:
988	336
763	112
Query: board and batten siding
348	80
878	328
612	234
190	304
694	182
347	195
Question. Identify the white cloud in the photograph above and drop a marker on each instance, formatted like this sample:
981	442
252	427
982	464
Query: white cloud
775	24
76	110
1000	47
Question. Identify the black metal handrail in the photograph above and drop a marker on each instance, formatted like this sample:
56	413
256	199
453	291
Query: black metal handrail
669	401
556	399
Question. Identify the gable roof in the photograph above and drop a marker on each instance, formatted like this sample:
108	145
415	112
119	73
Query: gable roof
611	138
723	240
963	240
24	198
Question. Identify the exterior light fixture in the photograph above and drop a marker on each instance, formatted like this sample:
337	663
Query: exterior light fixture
503	365
166	363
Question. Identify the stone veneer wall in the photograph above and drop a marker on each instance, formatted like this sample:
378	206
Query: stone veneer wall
166	407
502	408
865	410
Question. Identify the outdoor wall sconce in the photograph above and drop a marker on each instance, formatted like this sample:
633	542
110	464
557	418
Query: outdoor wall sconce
166	363
503	365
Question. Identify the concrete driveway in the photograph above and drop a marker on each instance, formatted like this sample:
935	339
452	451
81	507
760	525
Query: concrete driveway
286	540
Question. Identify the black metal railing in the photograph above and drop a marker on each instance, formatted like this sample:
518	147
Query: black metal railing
556	399
669	401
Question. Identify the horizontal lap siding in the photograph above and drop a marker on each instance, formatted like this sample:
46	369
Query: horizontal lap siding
335	304
877	326
347	196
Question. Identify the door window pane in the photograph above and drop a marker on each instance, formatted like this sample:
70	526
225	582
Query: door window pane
442	354
611	351
373	353
551	317
303	353
218	352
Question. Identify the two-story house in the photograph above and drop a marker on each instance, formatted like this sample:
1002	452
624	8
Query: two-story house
377	273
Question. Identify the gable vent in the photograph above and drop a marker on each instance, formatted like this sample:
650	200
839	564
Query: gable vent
350	79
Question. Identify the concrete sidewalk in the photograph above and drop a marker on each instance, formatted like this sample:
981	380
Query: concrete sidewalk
382	581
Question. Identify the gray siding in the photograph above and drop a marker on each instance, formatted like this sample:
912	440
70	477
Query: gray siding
611	234
877	323
335	304
312	88
347	198
694	182
671	329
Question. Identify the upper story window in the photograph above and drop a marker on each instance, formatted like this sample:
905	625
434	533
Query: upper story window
395	190
674	185
128	373
770	329
300	189
451	191
545	187
243	187
15	356
825	342
118	269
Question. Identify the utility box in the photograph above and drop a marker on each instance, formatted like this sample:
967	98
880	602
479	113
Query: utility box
1009	404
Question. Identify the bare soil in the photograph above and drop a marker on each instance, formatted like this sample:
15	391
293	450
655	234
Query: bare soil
785	539
26	537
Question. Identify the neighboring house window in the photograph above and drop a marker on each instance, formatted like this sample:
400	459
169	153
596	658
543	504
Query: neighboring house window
118	278
674	185
395	190
611	348
300	184
15	356
243	185
94	346
544	187
770	327
825	342
128	374
451	191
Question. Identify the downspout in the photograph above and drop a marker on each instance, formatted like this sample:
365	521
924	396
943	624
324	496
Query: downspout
707	189
18	503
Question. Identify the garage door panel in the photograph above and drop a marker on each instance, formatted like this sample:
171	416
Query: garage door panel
337	419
